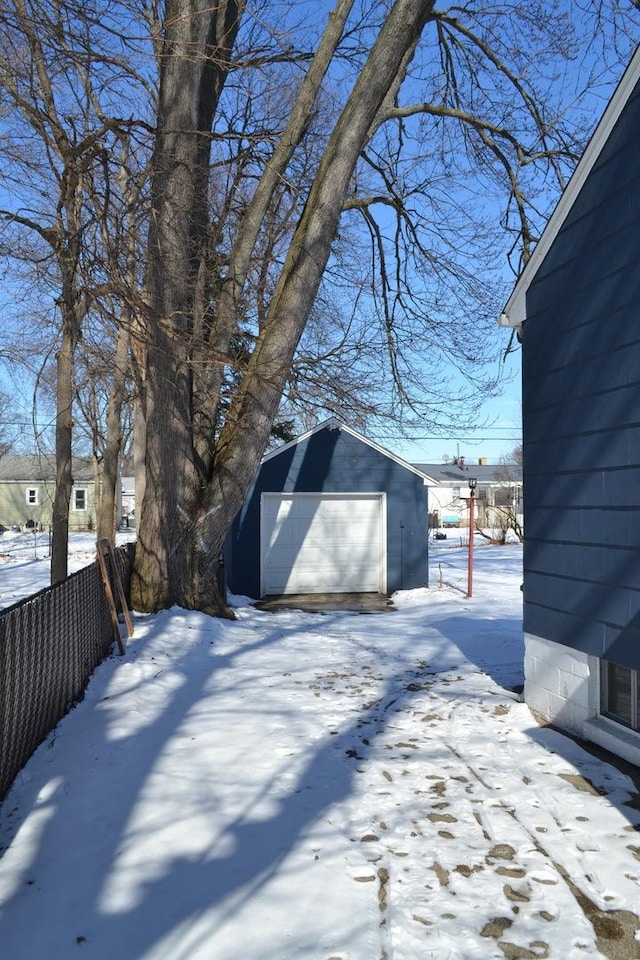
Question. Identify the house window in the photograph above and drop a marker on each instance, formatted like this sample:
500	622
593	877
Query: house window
620	694
80	499
503	497
32	496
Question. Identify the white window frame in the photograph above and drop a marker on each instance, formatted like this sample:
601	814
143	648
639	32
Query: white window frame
75	507
32	496
634	694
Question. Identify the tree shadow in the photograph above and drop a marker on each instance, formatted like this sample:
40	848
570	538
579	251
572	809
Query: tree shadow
494	644
598	771
92	787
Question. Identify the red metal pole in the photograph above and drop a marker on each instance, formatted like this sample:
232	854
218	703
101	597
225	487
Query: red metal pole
470	559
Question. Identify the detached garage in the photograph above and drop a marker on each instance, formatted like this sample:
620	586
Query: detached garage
330	512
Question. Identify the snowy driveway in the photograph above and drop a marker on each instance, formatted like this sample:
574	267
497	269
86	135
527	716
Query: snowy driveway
337	787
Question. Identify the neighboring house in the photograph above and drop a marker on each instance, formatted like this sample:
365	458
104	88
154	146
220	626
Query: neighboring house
128	501
330	512
498	490
577	306
27	487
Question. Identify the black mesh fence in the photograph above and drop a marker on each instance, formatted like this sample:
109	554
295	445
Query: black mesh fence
50	644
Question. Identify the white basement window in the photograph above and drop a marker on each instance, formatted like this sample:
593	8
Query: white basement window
620	694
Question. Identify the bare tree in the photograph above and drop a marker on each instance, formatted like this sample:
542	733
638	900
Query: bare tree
425	108
9	425
193	508
60	92
329	204
120	253
104	413
506	511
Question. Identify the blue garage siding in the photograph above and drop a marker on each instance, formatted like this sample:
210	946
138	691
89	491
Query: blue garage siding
334	461
581	398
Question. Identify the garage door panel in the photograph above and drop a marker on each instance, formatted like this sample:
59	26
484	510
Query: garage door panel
321	543
313	578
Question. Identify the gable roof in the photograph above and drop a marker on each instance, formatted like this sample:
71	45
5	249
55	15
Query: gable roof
515	310
484	473
334	424
41	469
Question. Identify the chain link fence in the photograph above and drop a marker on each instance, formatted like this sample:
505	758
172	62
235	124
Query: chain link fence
50	644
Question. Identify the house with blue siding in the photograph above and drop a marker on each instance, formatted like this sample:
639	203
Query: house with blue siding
330	512
576	308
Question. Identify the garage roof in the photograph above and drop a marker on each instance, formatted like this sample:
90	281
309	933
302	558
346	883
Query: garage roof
334	424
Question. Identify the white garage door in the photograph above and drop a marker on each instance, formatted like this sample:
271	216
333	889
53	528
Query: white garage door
323	543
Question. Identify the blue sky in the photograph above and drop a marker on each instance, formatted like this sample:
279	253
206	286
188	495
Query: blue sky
499	422
497	436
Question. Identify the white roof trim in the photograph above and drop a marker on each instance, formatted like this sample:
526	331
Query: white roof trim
515	311
336	424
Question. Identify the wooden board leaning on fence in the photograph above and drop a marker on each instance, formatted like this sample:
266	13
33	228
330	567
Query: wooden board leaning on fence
106	550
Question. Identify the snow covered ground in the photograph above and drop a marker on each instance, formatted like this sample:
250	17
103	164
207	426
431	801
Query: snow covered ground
320	786
25	561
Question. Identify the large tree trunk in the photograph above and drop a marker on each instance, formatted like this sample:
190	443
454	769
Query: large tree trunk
196	49
64	472
108	499
248	424
180	541
228	309
138	361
